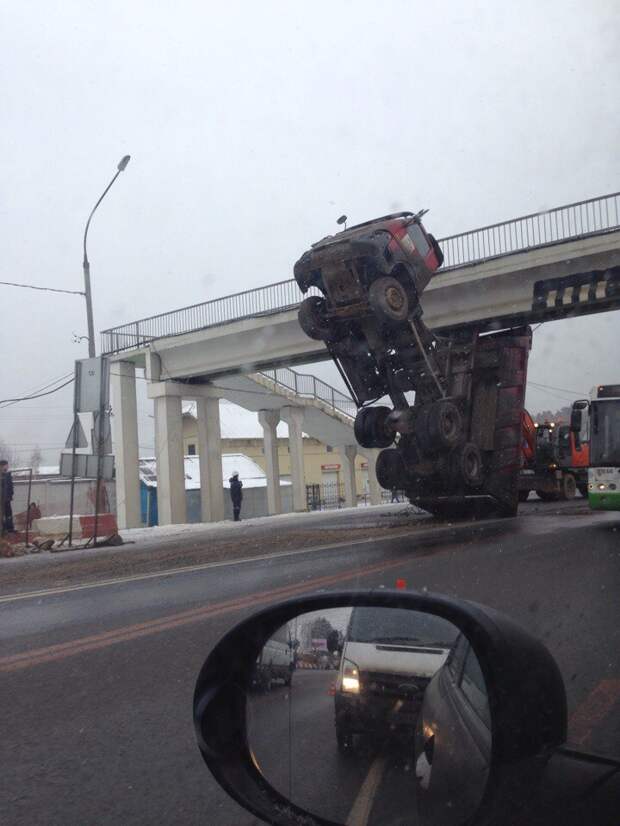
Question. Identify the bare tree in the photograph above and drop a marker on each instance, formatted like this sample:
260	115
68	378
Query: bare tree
35	459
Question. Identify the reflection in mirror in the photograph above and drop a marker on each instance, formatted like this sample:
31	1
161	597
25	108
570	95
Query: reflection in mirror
372	715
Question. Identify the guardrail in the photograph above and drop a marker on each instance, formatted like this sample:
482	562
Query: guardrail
309	387
539	229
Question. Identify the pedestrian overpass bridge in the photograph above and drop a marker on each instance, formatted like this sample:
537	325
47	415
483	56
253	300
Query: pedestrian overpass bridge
539	267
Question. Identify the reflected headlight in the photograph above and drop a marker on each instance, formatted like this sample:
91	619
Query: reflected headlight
602	486
350	677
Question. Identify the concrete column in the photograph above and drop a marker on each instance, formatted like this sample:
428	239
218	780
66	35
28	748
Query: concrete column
294	417
210	458
171	506
269	420
348	455
125	430
373	486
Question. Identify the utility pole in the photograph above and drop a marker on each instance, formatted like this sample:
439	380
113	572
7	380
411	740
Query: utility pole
86	264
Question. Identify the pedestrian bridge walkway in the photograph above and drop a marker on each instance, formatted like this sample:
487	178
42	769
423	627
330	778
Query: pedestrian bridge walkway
489	276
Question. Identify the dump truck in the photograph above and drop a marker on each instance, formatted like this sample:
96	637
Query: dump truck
555	461
456	449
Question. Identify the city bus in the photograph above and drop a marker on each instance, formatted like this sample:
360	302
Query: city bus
599	420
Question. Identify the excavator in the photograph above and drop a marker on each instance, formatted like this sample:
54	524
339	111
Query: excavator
455	450
555	463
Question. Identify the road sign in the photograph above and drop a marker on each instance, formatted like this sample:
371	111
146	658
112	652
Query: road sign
82	441
104	430
92	388
86	466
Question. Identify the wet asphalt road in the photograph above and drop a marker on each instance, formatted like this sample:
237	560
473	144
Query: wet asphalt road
97	683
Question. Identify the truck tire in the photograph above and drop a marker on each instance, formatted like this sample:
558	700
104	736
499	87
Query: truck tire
390	469
568	487
388	300
304	276
369	427
312	316
467	464
444	424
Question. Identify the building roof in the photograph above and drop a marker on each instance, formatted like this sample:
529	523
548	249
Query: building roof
236	422
250	473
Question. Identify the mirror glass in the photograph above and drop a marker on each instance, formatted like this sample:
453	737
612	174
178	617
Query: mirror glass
372	715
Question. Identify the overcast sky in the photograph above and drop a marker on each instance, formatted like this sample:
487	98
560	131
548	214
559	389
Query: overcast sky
252	126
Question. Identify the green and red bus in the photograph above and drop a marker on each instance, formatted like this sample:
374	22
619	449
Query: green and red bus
598	420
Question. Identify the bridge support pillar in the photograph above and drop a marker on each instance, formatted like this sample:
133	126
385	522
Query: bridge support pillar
125	426
171	506
373	486
348	455
210	459
294	417
269	421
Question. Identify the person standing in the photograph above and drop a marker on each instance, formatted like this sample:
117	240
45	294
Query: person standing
6	497
236	494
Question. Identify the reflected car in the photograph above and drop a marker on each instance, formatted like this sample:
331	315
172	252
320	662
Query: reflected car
453	740
276	661
388	658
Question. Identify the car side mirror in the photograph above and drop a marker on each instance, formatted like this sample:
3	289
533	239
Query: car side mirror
437	249
429	688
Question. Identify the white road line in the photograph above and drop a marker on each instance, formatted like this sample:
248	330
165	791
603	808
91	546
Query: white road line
360	813
189	568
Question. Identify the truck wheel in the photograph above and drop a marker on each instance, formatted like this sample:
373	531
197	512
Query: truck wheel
304	276
388	299
369	427
444	424
568	487
468	464
312	315
523	495
391	469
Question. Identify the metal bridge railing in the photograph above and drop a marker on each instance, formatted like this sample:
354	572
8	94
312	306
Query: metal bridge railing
591	217
539	229
309	387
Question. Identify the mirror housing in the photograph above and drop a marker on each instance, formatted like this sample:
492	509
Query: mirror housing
437	249
576	415
528	716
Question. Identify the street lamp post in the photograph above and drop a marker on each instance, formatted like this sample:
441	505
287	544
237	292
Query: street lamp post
86	264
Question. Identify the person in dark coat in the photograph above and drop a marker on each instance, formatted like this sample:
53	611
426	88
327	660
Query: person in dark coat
6	497
236	494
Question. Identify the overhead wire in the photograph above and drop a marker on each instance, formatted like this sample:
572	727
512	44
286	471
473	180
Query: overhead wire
7	402
42	289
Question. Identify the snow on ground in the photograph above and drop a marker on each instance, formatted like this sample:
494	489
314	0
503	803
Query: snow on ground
158	532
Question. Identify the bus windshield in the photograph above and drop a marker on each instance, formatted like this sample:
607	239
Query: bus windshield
605	435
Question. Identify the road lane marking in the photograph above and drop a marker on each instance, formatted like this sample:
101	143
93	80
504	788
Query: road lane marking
593	710
94	642
66	589
362	807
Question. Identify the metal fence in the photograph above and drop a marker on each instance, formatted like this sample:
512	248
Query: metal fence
309	387
554	226
539	229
